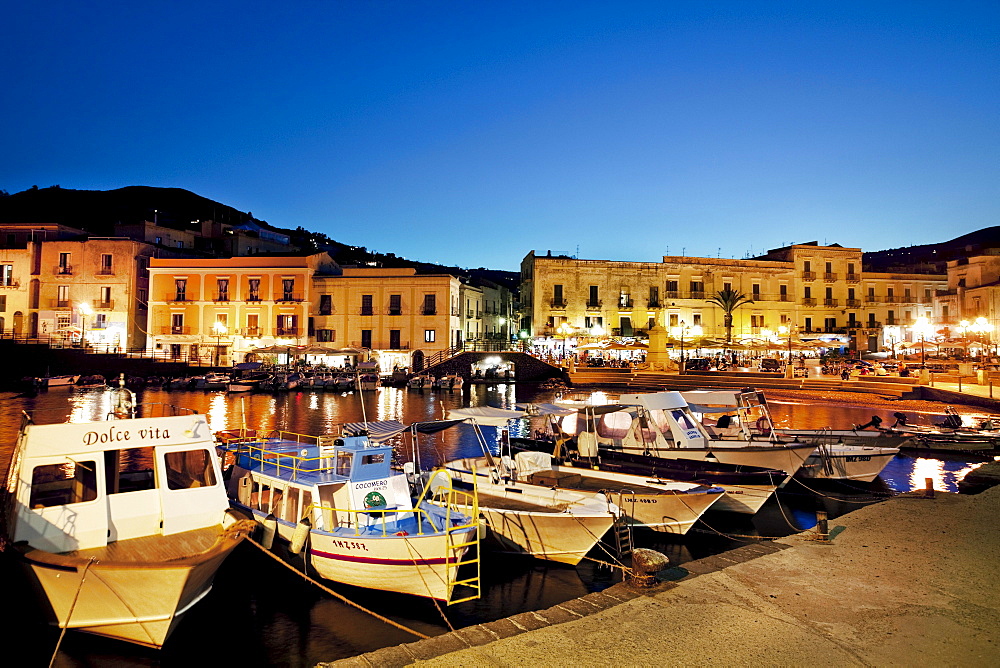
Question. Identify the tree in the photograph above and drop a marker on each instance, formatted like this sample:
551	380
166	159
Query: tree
729	300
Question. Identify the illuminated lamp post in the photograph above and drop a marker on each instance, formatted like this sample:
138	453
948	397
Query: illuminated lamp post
983	329
964	324
564	330
921	326
220	331
523	336
85	312
789	371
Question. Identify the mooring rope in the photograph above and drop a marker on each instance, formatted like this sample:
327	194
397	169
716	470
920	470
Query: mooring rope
72	607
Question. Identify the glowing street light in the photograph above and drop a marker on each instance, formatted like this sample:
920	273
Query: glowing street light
564	330
921	326
85	312
220	331
783	330
983	329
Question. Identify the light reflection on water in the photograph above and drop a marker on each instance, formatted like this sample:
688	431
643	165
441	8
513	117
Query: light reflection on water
291	624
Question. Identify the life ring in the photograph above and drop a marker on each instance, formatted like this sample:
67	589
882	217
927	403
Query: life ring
763	426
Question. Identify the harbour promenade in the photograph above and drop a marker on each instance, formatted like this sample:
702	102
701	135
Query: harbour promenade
912	581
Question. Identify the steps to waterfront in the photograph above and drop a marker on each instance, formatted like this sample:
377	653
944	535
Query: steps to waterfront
898	388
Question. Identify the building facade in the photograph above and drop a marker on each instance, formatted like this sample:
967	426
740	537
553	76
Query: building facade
814	290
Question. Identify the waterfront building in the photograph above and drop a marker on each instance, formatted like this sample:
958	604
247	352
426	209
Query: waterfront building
59	284
219	309
815	291
398	316
969	306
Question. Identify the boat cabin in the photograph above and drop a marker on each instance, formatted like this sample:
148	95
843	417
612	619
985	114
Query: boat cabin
85	485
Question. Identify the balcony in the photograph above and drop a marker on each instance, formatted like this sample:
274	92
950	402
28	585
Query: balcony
673	294
784	298
253	297
428	311
946	293
221	297
469	315
367	310
854	278
557	303
326	311
625	303
395	311
594	305
893	299
250	331
286	331
62	303
10	284
105	271
829	277
696	294
289	297
809	301
871	299
64	270
831	302
853	303
104	304
653	303
808	275
179	297
175	329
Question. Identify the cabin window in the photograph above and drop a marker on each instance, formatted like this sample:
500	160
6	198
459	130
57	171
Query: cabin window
188	469
63	484
683	420
373	459
129	470
343	466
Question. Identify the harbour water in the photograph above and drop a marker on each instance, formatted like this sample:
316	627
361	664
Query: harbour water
262	614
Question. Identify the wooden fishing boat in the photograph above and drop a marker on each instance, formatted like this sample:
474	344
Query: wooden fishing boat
120	524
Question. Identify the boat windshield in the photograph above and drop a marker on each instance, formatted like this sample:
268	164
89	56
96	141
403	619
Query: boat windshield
343	463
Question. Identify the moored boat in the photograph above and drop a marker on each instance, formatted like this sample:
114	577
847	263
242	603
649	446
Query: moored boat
120	524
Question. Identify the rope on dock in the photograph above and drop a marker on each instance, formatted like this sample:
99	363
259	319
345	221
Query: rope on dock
335	594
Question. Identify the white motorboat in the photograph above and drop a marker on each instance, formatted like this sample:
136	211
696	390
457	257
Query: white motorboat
546	523
122	523
339	494
55	381
744	414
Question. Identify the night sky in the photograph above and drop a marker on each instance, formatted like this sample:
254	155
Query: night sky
472	132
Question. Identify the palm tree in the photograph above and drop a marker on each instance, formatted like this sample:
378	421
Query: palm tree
729	300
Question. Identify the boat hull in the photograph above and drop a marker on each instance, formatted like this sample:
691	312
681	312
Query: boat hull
558	537
135	601
859	463
666	512
782	457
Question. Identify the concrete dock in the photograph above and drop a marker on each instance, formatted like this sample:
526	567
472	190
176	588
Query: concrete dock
913	581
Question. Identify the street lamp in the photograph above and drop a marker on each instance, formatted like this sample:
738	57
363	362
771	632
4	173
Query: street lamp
220	331
964	324
982	327
564	330
85	312
921	327
789	372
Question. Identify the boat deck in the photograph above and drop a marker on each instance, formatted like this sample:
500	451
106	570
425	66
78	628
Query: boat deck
585	483
153	548
521	505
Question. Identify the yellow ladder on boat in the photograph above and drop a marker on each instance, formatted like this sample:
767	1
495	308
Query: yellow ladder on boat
460	502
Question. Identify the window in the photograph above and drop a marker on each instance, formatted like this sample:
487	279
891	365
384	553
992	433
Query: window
64	264
324	335
63	484
593	321
129	470
696	319
394	340
157	240
288	289
366	338
830	324
674	320
829	293
3	303
105	301
756	321
180	244
809	324
223	290
672	289
176	323
697	289
807	266
783	293
189	469
755	291
140	295
654	296
6	274
62	296
557	293
624	299
829	267
430	305
727	286
808	292
106	266
429	335
626	325
253	294
287	325
395	304
253	324
366	305
180	287
101	321
326	304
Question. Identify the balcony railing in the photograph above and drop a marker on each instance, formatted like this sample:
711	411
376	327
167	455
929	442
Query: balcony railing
286	331
808	301
326	311
946	293
557	303
593	305
222	297
175	329
854	278
12	283
251	331
892	299
64	269
696	294
853	303
784	298
288	297
395	311
673	294
808	275
105	271
624	303
253	297
469	315
829	277
871	299
367	310
831	302
178	297
104	304
428	311
61	303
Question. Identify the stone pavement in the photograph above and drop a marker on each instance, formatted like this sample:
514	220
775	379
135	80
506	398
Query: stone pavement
912	581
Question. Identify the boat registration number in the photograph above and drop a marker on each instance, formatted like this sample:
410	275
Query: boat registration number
349	545
858	458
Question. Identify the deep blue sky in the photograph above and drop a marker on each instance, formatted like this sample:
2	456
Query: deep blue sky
472	132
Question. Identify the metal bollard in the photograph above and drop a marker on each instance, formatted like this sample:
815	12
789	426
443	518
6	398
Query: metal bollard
645	565
821	526
928	488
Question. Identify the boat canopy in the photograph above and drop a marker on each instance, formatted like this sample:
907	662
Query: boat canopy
654	400
485	415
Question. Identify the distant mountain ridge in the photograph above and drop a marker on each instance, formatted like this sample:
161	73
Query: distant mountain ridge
933	256
97	212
